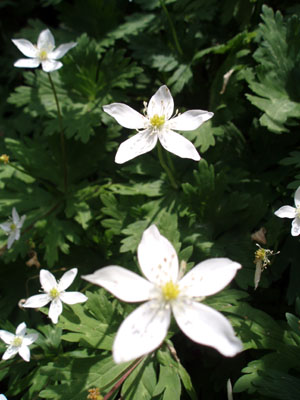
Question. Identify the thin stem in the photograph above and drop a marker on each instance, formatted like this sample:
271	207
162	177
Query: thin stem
170	162
174	34
120	381
62	138
165	167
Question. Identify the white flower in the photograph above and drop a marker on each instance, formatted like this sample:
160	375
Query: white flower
2	397
18	343
157	124
55	292
292	212
146	327
13	227
42	53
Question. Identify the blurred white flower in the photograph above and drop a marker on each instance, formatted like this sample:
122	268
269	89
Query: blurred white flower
55	293
292	212
13	227
2	397
42	53
146	327
157	124
18	343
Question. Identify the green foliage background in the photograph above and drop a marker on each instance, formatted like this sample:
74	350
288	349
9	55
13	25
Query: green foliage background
250	167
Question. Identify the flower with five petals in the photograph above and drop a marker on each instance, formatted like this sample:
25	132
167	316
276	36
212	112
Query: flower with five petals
292	212
55	293
43	53
18	343
146	327
157	124
13	227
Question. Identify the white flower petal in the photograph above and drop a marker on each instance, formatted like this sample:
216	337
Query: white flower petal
141	332
157	257
6	226
141	143
297	197
67	279
24	352
190	120
30	338
122	283
161	103
295	227
208	277
178	144
126	116
6	336
21	329
26	47
21	222
15	216
55	310
51	65
45	40
39	300
206	326
27	63
72	297
2	397
61	50
10	352
47	280
12	237
286	212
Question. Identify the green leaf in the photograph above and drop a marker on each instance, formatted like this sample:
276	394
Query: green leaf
141	382
278	61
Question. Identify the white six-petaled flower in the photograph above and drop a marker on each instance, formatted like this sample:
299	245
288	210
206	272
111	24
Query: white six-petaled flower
146	327
157	124
18	343
292	212
55	293
13	227
43	53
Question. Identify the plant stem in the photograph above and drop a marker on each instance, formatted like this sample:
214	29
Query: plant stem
174	34
62	138
165	167
120	381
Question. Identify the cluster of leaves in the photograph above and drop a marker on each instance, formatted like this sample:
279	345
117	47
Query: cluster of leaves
239	60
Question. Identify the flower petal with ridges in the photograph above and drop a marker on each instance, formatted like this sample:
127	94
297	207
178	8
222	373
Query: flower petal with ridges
139	144
141	332
124	284
159	266
161	103
209	277
67	279
178	144
25	47
190	120
205	325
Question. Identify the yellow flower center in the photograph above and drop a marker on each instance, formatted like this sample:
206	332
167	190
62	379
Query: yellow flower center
260	254
54	293
13	227
298	212
17	341
157	121
170	290
43	55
